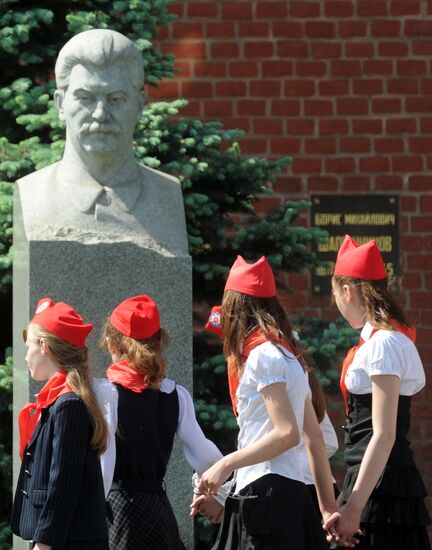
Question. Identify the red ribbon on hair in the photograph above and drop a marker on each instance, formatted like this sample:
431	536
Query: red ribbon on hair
31	412
122	373
408	331
252	340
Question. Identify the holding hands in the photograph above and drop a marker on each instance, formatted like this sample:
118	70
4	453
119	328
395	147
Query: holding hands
207	506
214	477
205	490
343	526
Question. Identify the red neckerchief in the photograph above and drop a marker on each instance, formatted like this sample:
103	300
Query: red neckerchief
255	338
30	413
408	331
122	373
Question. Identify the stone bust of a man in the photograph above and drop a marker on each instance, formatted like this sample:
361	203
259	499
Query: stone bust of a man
98	190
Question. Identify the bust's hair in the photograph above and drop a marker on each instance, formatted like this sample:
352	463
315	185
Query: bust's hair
99	48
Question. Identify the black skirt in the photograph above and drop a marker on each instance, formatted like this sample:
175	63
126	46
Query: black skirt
141	520
395	514
276	513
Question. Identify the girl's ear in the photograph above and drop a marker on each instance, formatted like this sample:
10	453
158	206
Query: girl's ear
43	347
348	293
111	348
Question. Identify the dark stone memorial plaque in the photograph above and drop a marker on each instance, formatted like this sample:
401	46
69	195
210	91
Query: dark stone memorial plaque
364	217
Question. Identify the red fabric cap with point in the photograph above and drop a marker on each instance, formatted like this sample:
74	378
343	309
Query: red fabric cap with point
253	279
137	317
63	321
360	261
214	321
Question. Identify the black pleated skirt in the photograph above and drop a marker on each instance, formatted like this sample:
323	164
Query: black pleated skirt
141	521
395	516
276	513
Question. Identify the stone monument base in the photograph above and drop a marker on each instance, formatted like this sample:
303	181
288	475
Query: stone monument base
94	277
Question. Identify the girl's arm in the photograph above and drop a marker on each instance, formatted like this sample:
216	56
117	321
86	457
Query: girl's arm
385	399
283	436
318	461
199	451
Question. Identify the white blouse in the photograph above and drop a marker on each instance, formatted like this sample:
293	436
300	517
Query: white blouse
331	445
268	364
200	452
385	352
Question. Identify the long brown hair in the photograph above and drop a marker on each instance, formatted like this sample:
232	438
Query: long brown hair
145	356
74	360
378	300
241	313
318	397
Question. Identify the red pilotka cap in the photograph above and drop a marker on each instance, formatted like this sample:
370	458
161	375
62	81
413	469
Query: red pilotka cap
137	317
360	261
214	321
253	279
63	321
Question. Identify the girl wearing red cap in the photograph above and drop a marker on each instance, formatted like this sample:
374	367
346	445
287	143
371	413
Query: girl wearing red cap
151	410
383	491
59	501
269	506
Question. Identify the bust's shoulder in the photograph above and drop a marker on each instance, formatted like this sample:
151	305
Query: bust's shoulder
44	175
161	178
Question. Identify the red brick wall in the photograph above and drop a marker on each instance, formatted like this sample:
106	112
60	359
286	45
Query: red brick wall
345	87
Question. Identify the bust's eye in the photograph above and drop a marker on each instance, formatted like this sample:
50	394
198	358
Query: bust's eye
116	99
84	96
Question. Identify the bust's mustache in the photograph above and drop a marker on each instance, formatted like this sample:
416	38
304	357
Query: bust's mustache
97	128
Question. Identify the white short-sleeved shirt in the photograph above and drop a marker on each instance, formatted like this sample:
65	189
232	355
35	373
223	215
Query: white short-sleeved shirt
385	352
331	445
200	452
268	364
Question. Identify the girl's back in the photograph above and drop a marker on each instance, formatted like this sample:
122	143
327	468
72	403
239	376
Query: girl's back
147	424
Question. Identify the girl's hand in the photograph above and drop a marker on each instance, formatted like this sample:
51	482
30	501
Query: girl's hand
343	525
41	546
214	477
207	506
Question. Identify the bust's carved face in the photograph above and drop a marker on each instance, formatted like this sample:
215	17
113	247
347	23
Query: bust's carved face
100	107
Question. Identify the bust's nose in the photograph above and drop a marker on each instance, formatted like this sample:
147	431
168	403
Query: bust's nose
100	113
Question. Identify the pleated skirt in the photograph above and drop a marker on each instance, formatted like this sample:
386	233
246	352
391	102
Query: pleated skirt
272	513
141	521
395	514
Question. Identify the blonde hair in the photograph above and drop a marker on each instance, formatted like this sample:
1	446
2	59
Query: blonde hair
241	313
144	355
377	299
74	360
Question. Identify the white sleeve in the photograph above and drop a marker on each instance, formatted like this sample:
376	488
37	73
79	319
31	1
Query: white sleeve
267	364
329	435
200	452
107	396
383	356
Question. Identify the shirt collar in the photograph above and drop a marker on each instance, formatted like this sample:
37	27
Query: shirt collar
87	190
366	332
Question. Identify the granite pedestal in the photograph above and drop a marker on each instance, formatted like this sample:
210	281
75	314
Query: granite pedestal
94	273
